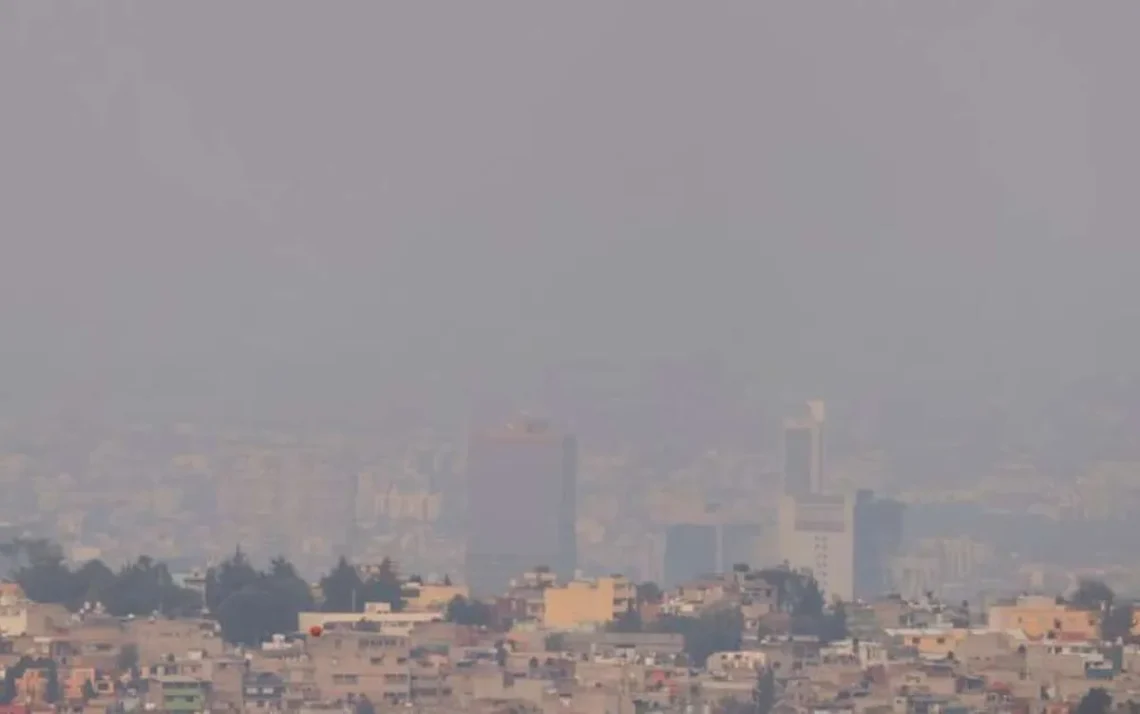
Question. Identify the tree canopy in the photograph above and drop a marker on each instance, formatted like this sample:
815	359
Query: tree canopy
345	591
144	587
1096	701
14	672
468	611
719	629
250	605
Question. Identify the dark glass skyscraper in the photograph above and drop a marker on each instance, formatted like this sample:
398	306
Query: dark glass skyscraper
690	552
521	504
878	538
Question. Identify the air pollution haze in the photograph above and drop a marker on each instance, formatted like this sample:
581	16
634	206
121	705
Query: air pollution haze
755	315
295	205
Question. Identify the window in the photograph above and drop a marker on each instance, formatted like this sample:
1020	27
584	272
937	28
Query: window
345	679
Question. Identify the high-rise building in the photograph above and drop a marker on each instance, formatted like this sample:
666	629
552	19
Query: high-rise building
741	543
803	452
817	533
878	539
521	504
690	552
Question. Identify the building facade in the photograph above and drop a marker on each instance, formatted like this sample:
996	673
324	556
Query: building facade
522	504
691	550
803	451
878	540
817	533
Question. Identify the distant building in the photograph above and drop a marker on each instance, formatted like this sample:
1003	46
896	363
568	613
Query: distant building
522	496
691	550
740	543
804	452
817	533
878	539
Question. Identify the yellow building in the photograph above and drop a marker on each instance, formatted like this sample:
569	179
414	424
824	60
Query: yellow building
1038	616
428	597
587	603
931	643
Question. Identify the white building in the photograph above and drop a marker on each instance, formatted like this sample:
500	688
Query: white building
817	533
377	614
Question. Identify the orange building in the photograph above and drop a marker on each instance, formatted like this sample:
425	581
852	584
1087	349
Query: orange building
1039	616
586	603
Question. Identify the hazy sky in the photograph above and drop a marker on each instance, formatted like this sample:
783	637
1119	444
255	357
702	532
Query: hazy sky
834	195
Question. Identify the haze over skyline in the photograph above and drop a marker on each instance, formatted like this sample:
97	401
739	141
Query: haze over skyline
313	203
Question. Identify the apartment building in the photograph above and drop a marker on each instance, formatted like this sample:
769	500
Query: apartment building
1038	616
587	603
353	663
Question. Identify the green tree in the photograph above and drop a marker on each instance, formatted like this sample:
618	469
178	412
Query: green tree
45	577
649	592
628	621
267	604
1096	701
467	611
809	600
384	586
715	630
140	588
764	695
94	580
250	617
52	691
832	626
342	589
780	579
89	692
14	672
233	575
284	580
145	587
